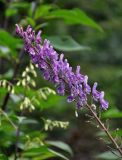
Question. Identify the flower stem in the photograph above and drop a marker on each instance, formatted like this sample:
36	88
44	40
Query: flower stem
105	129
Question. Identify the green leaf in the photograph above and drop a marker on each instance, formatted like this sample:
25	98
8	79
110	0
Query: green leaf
112	113
31	21
28	121
115	133
8	43
15	4
59	154
66	43
8	40
42	151
3	157
107	156
60	145
11	12
13	8
74	16
42	10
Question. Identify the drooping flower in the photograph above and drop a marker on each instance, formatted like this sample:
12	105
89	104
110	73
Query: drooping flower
57	70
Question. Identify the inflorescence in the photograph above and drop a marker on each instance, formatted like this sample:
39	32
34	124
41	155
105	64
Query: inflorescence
57	70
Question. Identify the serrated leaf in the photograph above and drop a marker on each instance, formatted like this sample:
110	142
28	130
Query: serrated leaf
66	44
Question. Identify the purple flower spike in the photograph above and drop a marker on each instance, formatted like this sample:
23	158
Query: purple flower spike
56	69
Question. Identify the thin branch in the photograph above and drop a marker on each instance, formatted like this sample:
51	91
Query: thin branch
104	129
7	96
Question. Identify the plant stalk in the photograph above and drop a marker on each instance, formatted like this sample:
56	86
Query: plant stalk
7	96
105	129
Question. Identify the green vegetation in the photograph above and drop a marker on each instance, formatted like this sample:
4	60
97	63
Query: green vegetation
35	122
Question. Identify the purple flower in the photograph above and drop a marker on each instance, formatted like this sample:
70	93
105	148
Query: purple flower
61	89
56	69
95	93
70	98
38	38
87	88
104	103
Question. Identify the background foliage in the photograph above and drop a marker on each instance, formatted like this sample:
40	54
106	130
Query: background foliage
34	120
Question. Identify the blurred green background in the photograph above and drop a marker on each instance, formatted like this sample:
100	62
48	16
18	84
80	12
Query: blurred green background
93	42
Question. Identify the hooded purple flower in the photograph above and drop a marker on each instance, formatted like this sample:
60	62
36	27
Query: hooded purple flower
95	93
57	70
104	103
